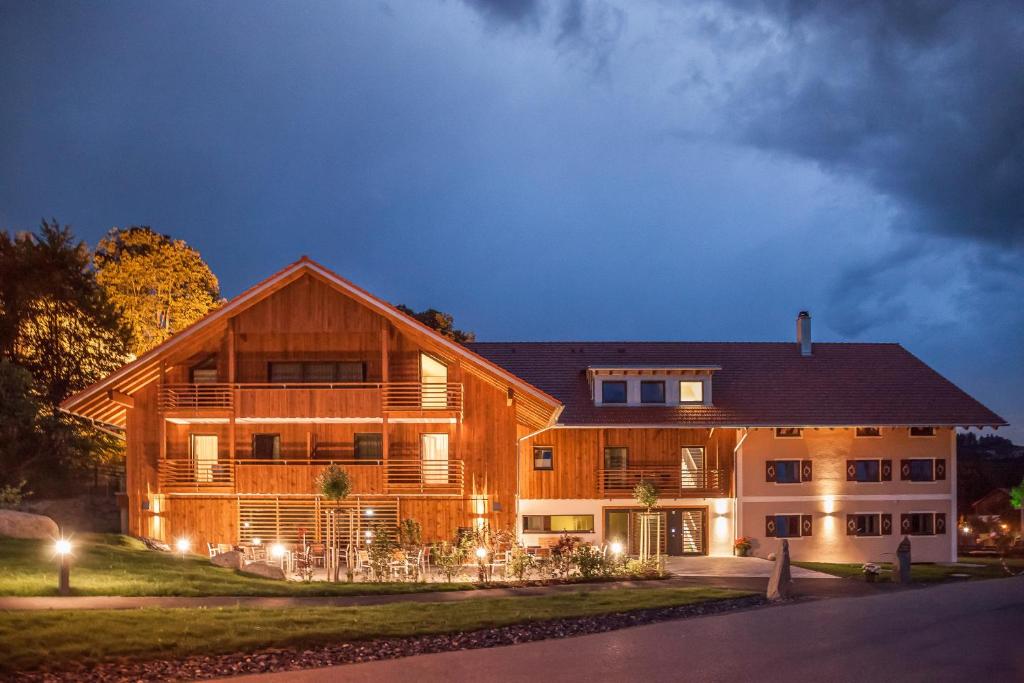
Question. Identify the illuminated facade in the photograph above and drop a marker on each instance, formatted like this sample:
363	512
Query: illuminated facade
842	448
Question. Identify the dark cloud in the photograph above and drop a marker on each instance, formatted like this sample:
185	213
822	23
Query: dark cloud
924	101
508	11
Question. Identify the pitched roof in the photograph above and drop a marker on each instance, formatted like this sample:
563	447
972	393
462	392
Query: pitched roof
759	384
94	402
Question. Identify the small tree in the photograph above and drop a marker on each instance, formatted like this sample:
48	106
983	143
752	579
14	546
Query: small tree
380	553
646	494
410	534
335	485
449	558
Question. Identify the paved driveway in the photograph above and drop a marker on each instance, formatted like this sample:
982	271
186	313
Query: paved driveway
733	567
957	632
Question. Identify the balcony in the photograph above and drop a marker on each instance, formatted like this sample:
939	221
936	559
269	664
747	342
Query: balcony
299	476
671	482
296	401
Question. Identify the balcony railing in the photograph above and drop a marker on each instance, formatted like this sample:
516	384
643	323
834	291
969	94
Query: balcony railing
189	473
671	482
290	476
313	400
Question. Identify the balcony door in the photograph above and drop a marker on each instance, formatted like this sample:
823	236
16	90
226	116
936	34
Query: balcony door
434	458
204	455
691	463
434	379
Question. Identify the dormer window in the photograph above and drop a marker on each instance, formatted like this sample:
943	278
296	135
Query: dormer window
652	392
613	392
691	391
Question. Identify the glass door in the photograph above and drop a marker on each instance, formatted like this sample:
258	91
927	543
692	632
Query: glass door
204	456
434	458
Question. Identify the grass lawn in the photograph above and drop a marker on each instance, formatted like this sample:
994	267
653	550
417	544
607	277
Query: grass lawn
990	568
120	565
33	639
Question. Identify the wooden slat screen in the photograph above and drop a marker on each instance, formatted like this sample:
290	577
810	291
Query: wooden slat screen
281	519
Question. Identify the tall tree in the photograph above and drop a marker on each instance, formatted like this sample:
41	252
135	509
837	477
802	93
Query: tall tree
58	333
441	322
161	285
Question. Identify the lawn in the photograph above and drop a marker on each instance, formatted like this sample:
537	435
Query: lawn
990	568
33	639
120	565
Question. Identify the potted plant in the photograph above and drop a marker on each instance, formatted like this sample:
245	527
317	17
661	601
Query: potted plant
871	572
741	547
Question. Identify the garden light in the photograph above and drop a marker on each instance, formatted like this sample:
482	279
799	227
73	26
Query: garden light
481	553
182	545
617	548
63	549
277	550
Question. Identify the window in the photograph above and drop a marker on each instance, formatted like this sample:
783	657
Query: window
316	372
434	458
788	526
205	372
918	469
434	383
615	457
869	432
864	470
613	392
652	392
535	524
266	446
543	458
788	471
204	456
920	523
864	524
691	391
788	432
922	431
369	446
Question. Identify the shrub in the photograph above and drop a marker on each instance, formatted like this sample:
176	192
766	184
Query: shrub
380	554
563	556
591	562
521	563
410	534
448	558
11	496
334	483
643	569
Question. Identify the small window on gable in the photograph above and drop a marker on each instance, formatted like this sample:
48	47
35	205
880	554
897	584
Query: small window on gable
788	432
543	458
652	391
922	431
691	391
869	432
613	392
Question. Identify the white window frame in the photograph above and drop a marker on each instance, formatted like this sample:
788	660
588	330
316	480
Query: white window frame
800	435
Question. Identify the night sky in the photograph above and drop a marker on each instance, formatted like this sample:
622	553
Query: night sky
558	170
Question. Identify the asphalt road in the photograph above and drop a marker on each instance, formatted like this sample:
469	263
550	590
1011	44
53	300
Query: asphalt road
958	632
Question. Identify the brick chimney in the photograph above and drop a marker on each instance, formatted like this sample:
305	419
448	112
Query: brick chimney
803	332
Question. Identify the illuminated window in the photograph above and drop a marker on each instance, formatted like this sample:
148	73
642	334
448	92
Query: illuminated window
788	432
922	431
869	431
691	391
652	392
613	392
543	458
536	524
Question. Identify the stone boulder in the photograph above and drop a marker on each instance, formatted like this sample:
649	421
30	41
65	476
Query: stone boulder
780	585
26	525
231	559
263	570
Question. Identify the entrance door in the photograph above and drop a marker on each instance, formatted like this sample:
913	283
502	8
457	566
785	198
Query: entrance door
686	531
204	456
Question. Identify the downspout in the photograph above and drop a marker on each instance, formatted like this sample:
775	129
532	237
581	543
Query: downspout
737	459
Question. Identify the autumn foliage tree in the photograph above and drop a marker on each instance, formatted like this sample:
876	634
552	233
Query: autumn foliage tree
161	285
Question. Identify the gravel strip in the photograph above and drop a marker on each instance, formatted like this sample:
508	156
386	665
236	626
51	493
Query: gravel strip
293	659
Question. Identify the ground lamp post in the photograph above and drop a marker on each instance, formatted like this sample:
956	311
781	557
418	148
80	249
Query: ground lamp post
182	545
63	548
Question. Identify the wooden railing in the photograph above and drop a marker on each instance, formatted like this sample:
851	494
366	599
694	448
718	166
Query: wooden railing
671	482
401	396
186	472
291	476
195	396
314	398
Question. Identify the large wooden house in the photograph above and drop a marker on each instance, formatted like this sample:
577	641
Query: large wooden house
839	447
